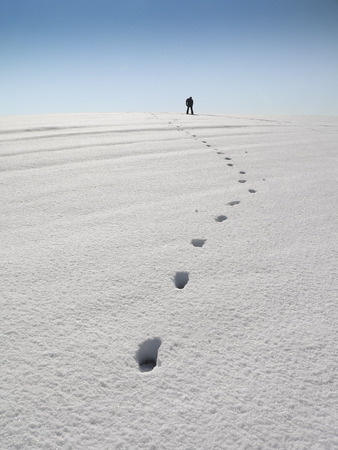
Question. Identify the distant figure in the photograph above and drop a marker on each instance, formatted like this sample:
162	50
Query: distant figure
189	102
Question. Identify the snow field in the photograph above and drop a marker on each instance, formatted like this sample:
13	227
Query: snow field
129	240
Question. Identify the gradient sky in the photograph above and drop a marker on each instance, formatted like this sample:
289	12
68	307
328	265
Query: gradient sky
231	56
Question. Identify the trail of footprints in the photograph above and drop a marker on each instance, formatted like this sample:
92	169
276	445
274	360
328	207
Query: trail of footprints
147	355
181	279
220	218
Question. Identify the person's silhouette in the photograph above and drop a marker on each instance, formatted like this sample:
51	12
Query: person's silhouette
189	103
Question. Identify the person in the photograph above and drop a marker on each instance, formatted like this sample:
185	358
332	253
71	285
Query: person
189	103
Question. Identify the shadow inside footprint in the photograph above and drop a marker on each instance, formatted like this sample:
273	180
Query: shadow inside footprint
241	181
181	279
242	172
229	164
146	356
252	191
235	202
221	218
198	242
227	158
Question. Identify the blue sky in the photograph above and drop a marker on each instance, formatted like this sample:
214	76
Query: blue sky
231	56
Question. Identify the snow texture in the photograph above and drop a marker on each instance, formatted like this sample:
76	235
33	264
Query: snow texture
134	316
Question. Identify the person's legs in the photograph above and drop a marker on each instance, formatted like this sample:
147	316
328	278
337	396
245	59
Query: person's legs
187	109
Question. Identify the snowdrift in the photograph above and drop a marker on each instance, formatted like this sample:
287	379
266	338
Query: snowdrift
168	281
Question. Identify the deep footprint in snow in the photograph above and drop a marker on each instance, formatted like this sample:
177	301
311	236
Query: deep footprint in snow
242	172
230	165
241	181
228	159
252	191
221	218
198	242
181	279
204	142
147	354
220	153
235	202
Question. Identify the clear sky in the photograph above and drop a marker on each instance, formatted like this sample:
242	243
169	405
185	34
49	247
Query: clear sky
231	56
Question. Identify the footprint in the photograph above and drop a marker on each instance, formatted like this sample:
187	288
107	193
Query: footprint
146	356
235	202
181	279
221	218
231	165
208	145
242	172
204	142
252	191
220	153
241	181
228	159
198	242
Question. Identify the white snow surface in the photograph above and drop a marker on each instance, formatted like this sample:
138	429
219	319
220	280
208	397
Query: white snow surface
98	215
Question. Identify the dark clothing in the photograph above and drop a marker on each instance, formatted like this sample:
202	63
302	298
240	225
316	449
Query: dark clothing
189	103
